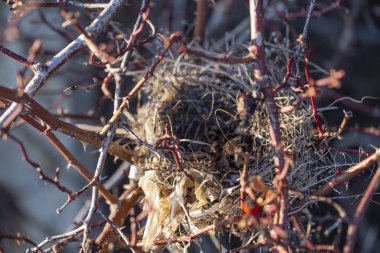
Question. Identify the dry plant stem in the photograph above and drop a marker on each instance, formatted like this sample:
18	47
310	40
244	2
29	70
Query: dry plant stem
259	72
94	196
56	124
200	20
18	239
102	55
118	230
44	71
333	6
347	175
360	211
109	197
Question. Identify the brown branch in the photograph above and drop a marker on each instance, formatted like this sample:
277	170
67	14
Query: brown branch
37	167
17	239
360	211
118	215
65	128
259	73
200	20
347	175
22	60
86	174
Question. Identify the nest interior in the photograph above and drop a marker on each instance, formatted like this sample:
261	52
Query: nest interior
209	107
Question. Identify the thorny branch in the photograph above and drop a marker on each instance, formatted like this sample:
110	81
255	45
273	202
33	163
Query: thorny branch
262	81
42	175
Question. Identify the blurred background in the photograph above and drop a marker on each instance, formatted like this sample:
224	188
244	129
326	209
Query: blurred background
343	35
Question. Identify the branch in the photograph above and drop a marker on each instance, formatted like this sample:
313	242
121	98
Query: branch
109	197
44	71
348	174
17	239
259	72
65	128
200	20
360	211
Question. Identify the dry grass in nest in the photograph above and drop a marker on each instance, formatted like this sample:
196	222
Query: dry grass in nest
199	101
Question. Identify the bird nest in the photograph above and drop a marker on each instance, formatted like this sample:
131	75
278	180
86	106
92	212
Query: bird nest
206	123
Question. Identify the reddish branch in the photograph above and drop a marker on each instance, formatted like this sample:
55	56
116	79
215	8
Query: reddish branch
17	239
347	175
16	57
86	174
259	73
312	93
55	124
37	167
360	211
200	20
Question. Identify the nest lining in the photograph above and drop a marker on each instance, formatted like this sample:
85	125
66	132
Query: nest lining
201	102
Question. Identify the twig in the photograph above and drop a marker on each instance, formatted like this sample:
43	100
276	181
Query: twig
37	167
58	237
19	238
301	44
168	42
109	197
128	199
360	211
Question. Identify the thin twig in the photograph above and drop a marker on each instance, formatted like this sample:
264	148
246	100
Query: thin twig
37	167
17	239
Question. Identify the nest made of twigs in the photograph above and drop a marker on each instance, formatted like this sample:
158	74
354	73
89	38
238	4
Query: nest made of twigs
209	108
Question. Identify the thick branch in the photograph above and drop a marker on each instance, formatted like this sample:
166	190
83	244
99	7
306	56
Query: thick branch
63	127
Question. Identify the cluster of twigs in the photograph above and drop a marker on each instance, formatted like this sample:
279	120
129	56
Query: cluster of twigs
270	212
